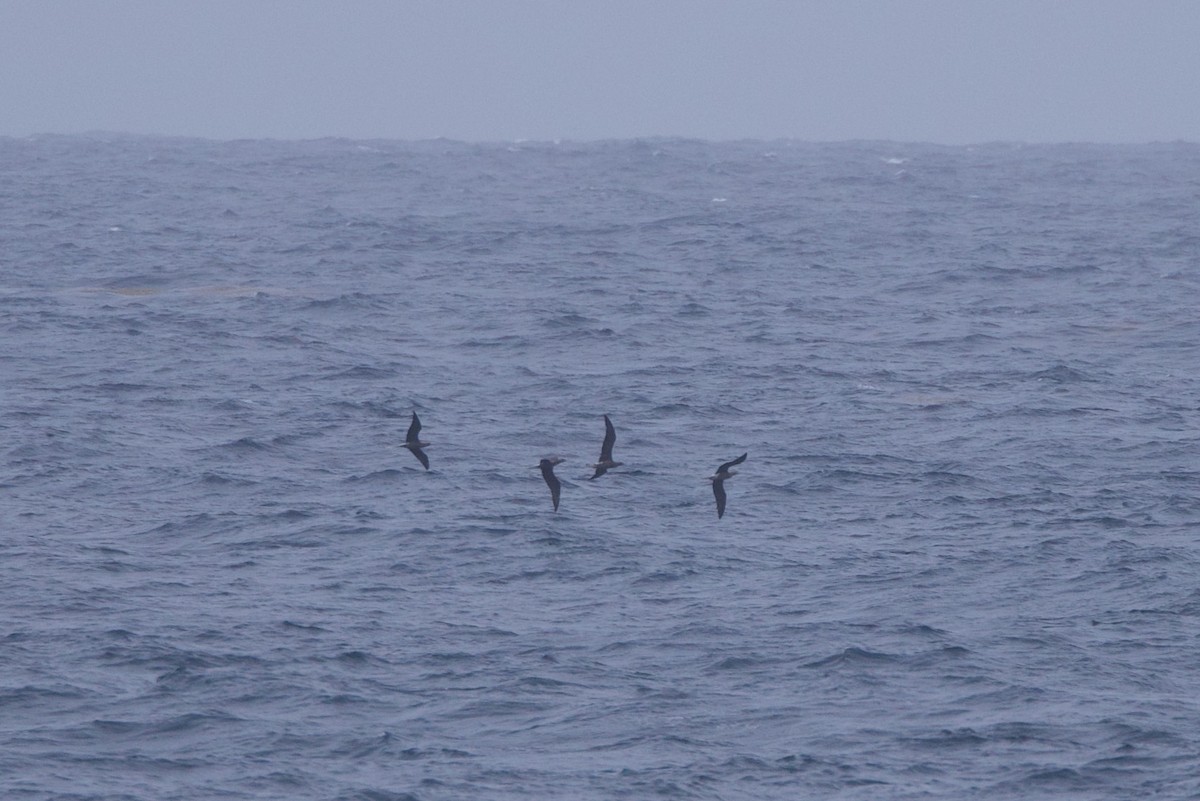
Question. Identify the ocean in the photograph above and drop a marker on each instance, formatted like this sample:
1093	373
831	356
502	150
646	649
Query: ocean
961	560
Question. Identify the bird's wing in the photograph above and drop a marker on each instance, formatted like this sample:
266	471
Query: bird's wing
610	437
414	429
552	482
420	454
719	494
734	463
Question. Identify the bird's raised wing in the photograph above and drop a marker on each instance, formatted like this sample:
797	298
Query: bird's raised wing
610	437
734	463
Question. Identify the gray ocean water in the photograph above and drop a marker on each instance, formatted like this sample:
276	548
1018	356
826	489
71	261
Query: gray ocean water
962	559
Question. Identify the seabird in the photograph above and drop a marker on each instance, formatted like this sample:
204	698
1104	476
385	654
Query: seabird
414	444
718	482
552	481
606	462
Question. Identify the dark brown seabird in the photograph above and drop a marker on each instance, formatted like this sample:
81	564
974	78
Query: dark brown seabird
718	481
414	444
547	466
606	462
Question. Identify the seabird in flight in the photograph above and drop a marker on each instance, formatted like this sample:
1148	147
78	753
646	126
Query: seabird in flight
413	442
718	482
606	462
547	466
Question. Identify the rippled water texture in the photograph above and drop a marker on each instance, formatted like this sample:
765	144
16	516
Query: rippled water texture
960	560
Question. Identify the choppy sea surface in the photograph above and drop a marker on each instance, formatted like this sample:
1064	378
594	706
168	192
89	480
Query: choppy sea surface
962	559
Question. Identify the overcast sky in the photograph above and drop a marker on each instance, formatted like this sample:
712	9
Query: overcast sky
951	71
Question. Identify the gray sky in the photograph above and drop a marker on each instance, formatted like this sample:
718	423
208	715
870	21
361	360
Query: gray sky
951	71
